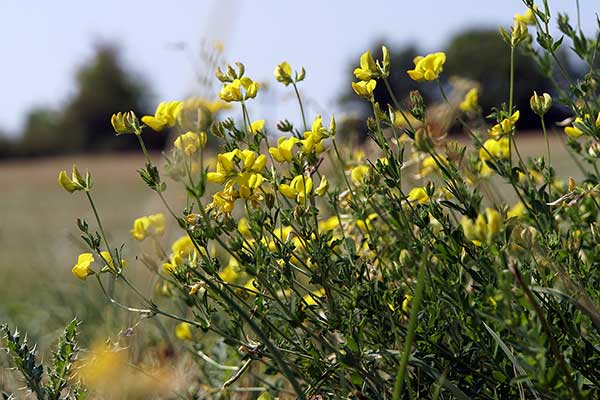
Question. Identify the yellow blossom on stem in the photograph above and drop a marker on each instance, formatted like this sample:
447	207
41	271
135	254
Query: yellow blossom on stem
82	269
417	195
368	68
239	90
528	18
283	73
505	126
427	68
165	116
76	182
469	103
310	299
190	142
151	225
298	188
257	126
125	122
110	265
323	186
497	149
313	139
364	88
283	151
484	228
517	211
183	331
574	131
358	174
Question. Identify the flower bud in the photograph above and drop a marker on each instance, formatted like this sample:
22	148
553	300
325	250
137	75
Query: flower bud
364	88
518	33
283	73
594	150
126	122
423	141
540	104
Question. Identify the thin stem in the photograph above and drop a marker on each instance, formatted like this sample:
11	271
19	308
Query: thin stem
87	193
549	161
301	106
412	326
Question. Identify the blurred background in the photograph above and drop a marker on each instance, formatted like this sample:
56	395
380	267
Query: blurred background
67	66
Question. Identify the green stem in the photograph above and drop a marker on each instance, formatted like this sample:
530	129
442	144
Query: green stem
108	248
410	334
549	161
301	106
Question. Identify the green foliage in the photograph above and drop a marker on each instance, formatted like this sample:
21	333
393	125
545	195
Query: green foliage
56	383
414	275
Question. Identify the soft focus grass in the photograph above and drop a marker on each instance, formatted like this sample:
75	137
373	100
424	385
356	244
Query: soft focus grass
40	242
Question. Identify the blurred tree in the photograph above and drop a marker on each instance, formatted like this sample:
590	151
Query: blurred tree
104	87
482	55
42	134
6	145
477	54
402	85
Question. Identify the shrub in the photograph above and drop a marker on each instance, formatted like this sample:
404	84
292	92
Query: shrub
405	274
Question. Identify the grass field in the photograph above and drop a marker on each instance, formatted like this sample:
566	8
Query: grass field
40	240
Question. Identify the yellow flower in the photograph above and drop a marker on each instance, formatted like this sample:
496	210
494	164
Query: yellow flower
469	104
427	68
151	225
75	183
239	90
417	195
323	186
540	104
82	269
496	148
313	139
329	224
365	224
406	302
517	211
574	132
283	73
364	88
283	151
224	201
110	265
528	18
165	116
298	188
190	142
257	126
358	174
126	122
484	228
518	32
231	273
183	331
368	69
310	299
505	126
183	247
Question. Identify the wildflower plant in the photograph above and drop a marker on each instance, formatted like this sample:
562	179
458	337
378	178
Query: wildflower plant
407	274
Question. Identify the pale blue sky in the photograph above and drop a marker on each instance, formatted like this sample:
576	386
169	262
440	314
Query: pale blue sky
45	41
